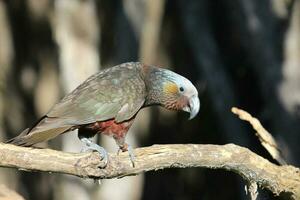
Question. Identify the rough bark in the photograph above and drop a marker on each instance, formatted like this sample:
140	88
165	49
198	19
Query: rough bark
280	180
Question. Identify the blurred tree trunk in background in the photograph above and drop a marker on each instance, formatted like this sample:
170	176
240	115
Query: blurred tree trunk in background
34	54
288	90
7	177
238	53
263	31
77	34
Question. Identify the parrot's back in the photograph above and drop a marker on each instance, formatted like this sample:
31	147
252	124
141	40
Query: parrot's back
115	93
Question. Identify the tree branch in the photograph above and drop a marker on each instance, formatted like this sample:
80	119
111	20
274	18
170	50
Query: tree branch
251	167
265	138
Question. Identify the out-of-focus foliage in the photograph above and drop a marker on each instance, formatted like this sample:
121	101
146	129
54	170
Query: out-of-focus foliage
238	53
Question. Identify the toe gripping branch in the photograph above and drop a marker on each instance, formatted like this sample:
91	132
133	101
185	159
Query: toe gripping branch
95	147
128	148
104	156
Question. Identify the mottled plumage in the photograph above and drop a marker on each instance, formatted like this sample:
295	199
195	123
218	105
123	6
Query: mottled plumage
108	102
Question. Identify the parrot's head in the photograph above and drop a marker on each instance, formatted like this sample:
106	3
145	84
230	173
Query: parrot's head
174	91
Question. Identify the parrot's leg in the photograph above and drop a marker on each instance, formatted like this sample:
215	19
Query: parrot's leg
86	132
95	147
131	154
123	146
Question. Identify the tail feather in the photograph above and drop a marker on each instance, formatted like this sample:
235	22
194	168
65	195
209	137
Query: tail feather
18	139
45	129
25	139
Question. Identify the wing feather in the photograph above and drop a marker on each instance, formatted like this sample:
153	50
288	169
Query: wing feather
102	97
118	92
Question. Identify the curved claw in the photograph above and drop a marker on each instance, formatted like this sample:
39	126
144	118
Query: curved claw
131	155
95	147
127	147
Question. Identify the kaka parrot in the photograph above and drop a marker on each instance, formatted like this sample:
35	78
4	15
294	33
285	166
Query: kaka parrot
108	102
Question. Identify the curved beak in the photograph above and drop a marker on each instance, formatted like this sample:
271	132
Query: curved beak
193	106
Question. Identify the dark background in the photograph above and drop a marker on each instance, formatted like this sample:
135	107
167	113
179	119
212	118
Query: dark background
242	53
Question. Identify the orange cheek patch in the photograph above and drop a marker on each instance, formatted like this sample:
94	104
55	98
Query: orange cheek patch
171	88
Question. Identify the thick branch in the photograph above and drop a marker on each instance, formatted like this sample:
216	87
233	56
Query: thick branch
253	168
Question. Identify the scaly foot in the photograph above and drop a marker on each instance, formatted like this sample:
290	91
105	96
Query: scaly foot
128	148
95	147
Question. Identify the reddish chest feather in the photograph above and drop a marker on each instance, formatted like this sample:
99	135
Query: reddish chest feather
112	128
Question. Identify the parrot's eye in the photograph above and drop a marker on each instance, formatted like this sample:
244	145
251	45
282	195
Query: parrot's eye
181	89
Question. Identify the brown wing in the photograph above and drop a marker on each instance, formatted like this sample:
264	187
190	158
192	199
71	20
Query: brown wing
118	92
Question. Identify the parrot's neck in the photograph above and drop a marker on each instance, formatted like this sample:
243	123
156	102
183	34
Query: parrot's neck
151	98
153	78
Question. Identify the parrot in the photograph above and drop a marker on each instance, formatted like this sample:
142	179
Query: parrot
108	102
